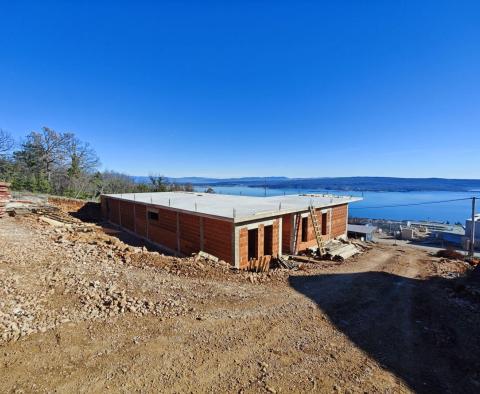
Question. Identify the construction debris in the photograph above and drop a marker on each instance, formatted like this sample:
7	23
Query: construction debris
206	256
341	251
335	250
284	263
5	196
53	222
261	264
450	254
304	259
26	207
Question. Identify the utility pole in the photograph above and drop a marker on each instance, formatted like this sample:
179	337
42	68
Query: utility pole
472	232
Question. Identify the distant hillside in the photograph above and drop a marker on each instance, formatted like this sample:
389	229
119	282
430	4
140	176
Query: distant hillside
193	180
209	181
379	184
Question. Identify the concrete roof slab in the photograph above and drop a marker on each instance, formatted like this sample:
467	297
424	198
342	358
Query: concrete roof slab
236	208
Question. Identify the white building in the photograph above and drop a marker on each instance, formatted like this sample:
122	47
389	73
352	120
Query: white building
468	231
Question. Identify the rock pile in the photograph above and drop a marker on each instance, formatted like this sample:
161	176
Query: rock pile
82	275
4	197
77	272
24	313
101	301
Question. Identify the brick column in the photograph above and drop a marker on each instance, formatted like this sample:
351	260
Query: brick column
261	237
243	248
275	236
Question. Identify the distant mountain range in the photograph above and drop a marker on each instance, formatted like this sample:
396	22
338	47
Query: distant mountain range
387	184
195	180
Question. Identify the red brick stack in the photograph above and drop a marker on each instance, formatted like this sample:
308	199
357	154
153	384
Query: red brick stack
4	197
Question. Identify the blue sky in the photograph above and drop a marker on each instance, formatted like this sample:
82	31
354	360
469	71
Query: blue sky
384	88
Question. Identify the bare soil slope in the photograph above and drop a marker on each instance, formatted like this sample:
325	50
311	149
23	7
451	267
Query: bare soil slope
83	312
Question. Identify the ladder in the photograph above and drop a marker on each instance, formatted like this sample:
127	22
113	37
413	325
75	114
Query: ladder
318	233
296	228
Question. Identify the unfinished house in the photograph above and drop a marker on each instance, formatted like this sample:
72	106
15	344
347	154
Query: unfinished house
233	228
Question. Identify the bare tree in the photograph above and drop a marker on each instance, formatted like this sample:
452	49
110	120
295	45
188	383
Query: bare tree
81	156
46	150
82	163
59	162
6	142
158	183
114	182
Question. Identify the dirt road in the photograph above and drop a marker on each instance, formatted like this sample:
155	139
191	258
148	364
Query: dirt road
387	321
390	307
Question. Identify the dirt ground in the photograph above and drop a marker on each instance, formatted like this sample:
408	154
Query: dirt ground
80	311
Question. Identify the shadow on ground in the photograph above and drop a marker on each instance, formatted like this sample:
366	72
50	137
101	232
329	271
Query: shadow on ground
90	212
418	329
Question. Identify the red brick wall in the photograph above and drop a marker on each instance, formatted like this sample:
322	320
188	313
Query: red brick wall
217	238
114	214
338	228
141	220
103	205
243	242
189	233
339	220
126	215
311	241
217	233
286	232
164	231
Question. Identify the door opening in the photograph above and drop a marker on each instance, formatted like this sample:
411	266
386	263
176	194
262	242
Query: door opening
253	243
305	229
324	224
268	240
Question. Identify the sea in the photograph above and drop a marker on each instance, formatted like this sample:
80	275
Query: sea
383	205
